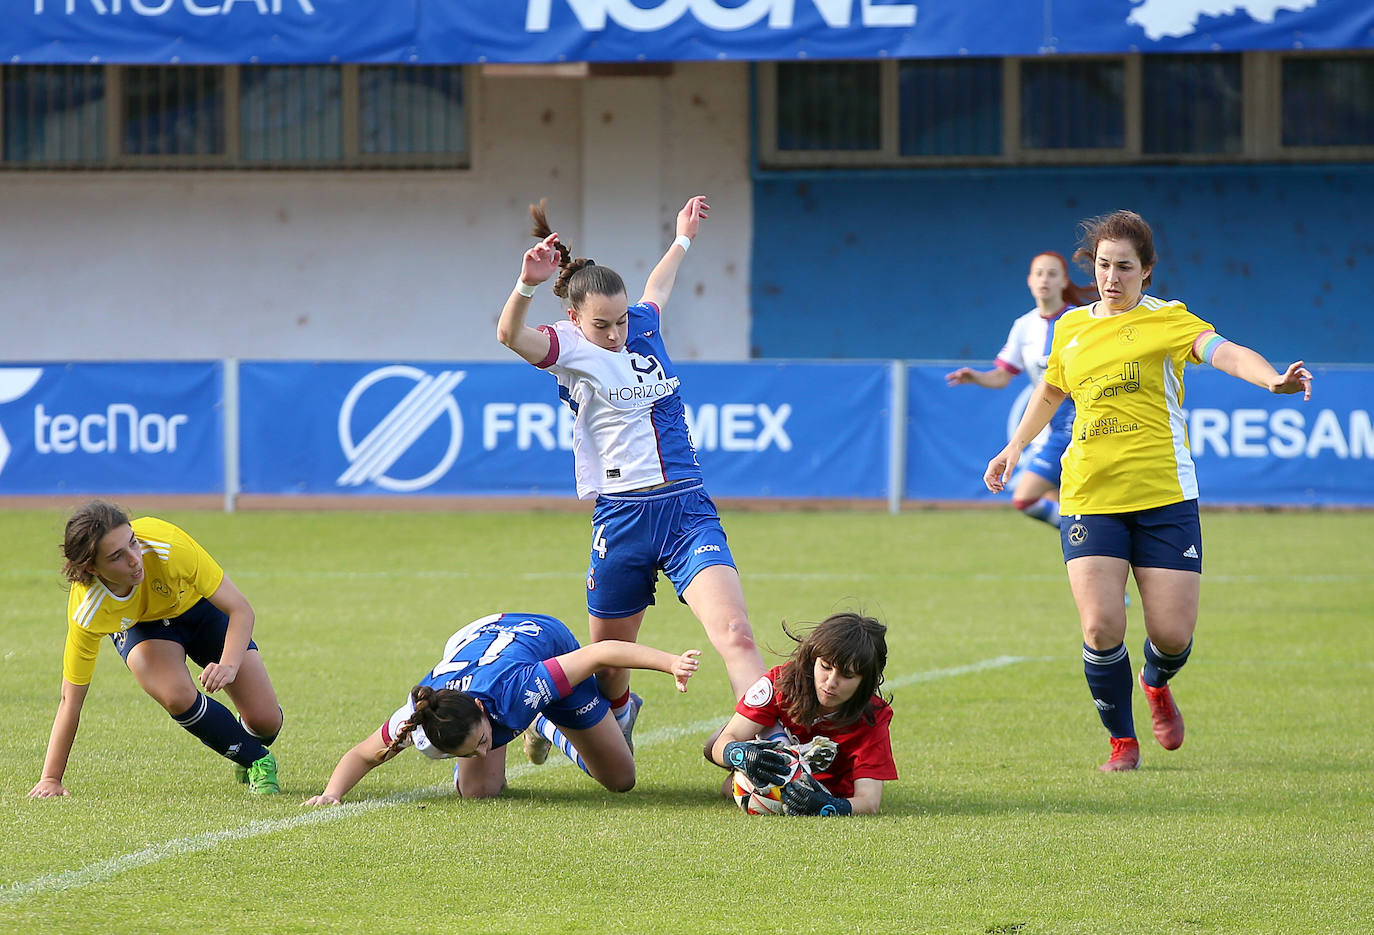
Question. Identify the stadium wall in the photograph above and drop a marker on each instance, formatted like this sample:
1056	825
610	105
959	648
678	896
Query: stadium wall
196	264
933	263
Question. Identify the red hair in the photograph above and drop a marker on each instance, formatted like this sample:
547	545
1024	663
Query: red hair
1073	294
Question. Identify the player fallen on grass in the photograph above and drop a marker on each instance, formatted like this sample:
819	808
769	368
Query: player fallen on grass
826	690
497	677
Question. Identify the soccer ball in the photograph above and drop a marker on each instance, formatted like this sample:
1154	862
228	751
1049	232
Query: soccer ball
753	801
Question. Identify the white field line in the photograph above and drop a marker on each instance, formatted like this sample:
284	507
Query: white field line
179	847
452	574
447	574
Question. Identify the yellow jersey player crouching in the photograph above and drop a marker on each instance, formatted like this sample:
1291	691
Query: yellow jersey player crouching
160	598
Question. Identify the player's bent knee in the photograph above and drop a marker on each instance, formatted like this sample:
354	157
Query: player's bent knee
621	783
174	700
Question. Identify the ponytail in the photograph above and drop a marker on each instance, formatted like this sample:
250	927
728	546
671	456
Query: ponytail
580	277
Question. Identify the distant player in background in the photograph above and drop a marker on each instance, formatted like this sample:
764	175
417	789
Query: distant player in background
496	676
1129	487
160	598
1027	351
828	688
632	453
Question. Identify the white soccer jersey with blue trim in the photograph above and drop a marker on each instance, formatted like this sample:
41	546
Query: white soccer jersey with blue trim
1028	351
631	429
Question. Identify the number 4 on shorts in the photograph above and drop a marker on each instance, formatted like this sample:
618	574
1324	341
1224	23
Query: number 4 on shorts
599	540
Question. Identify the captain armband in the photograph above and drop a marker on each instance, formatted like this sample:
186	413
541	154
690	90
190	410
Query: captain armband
1209	349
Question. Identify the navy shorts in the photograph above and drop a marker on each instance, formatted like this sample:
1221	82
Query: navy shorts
1046	460
1164	537
200	631
635	534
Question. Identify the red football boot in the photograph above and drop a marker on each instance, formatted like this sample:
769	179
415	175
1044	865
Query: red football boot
1125	755
1168	720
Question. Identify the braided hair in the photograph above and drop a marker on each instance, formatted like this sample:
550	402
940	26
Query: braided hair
447	715
580	277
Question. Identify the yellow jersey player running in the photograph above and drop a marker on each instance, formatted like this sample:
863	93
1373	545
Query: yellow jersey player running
160	598
1129	491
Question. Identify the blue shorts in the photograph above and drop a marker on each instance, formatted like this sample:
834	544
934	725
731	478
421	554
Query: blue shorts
1046	460
582	709
1164	537
634	535
585	707
200	631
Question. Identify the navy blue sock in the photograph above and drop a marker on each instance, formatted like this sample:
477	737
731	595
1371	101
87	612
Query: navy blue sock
1045	510
215	727
1109	679
264	739
1159	668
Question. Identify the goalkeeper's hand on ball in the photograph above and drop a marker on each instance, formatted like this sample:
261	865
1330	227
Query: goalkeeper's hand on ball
760	760
805	796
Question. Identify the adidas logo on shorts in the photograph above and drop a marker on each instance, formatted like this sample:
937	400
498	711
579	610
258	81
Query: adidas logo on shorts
1191	552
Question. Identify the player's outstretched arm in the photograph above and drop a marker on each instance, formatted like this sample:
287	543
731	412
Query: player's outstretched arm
1044	402
354	765
660	283
994	379
538	264
1241	362
738	746
60	741
867	797
582	663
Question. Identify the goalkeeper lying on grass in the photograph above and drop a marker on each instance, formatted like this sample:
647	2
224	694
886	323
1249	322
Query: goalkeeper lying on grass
827	689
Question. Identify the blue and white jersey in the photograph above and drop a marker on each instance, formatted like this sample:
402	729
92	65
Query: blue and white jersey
506	661
1028	351
631	429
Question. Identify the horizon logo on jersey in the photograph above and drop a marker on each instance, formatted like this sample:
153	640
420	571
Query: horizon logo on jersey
400	428
781	14
163	7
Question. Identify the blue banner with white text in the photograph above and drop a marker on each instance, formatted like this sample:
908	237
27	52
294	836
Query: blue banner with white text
551	31
1250	447
760	429
111	427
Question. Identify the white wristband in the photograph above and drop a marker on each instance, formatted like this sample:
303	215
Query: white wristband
684	242
524	288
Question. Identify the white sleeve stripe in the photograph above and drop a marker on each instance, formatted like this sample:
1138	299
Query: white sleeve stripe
85	613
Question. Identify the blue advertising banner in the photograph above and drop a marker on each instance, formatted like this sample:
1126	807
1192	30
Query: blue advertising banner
106	427
1249	447
546	31
786	429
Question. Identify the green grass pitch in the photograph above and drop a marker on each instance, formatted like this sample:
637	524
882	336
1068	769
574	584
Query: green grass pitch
1000	823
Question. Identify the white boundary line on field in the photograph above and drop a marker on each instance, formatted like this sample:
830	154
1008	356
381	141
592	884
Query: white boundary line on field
11	893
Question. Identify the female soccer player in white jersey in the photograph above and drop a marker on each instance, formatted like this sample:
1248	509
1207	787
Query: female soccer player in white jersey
1129	491
632	452
160	598
497	676
1027	351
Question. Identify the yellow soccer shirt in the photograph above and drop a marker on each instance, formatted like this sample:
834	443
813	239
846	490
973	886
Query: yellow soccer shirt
1125	372
177	574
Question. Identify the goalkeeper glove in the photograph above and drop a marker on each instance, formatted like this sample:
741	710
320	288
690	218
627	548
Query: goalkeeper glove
762	763
805	796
